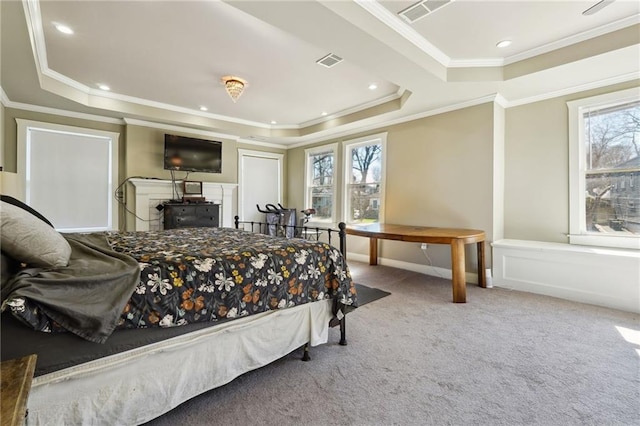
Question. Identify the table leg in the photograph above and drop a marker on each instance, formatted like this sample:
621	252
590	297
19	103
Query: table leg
458	271
373	251
482	278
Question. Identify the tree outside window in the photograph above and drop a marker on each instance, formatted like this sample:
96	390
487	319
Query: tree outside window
363	192
604	170
612	172
320	178
322	184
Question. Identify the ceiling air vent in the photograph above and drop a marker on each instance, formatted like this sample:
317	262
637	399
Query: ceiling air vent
421	9
329	60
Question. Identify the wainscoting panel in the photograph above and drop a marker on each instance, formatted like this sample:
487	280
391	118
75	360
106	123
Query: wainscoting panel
598	276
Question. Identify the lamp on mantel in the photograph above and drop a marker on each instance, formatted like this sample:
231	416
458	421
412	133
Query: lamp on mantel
234	86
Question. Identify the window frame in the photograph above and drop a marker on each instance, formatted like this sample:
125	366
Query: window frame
578	234
73	197
308	180
379	138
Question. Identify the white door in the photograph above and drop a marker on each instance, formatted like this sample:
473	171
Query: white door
260	176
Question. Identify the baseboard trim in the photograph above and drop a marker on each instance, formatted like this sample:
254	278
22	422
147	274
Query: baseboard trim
470	277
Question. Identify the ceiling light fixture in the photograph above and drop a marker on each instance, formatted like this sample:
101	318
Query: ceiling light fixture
503	43
204	108
274	122
324	113
63	28
104	87
373	86
234	86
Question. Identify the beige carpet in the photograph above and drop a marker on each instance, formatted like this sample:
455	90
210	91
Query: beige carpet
415	358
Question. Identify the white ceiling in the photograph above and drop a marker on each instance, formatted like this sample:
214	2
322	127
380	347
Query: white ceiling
164	59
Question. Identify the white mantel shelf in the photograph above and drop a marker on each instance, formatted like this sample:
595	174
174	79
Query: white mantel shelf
148	193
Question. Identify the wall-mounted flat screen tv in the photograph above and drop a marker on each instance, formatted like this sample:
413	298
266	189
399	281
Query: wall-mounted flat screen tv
192	155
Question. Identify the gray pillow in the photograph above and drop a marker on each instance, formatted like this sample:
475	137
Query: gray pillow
29	240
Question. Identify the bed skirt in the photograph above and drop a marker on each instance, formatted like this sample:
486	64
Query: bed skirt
139	385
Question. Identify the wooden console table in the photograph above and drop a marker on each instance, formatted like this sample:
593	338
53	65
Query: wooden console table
16	384
455	237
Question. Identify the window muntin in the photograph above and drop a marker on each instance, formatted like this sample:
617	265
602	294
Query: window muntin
605	170
320	182
364	180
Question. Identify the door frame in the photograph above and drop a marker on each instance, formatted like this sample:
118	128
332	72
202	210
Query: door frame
242	154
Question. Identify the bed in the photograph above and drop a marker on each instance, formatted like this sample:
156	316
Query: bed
134	324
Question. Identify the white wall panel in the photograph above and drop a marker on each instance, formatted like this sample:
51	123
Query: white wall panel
599	276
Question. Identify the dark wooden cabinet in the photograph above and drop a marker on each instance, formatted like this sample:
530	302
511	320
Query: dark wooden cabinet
16	383
179	215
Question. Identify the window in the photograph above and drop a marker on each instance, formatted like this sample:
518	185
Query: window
604	137
68	174
364	179
320	193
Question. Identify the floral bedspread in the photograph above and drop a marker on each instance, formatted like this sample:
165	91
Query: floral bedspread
208	274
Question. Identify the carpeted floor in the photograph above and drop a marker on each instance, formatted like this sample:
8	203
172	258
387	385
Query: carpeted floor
415	358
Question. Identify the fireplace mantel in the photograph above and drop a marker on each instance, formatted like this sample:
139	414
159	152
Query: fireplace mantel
149	193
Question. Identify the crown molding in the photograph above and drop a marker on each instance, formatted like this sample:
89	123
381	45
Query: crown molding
476	63
352	110
308	140
498	98
265	144
403	29
174	128
36	34
576	38
200	132
4	99
574	89
400	27
295	142
55	111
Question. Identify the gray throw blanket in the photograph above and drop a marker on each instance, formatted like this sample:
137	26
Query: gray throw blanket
87	296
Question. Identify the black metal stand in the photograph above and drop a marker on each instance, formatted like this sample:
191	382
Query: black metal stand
305	352
343	331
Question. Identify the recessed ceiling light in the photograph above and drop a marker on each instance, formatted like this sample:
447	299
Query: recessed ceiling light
204	108
64	29
373	86
503	43
324	113
103	87
274	122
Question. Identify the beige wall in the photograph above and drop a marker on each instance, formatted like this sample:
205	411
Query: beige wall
11	131
145	156
2	136
477	167
536	196
141	152
439	173
141	148
10	183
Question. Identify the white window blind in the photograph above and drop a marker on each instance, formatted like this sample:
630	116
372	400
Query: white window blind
69	175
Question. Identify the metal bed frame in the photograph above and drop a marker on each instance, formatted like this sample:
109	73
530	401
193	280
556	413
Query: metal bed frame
299	231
